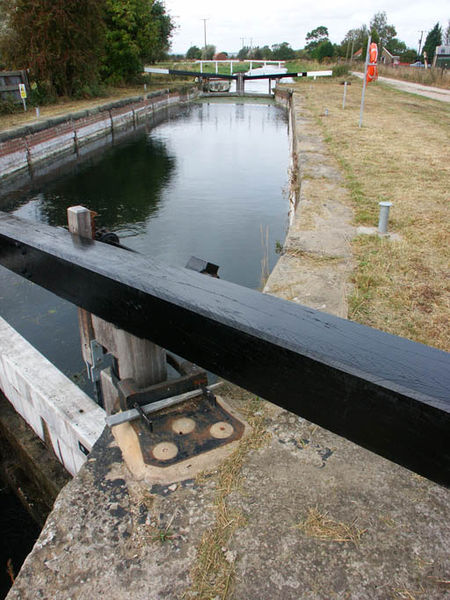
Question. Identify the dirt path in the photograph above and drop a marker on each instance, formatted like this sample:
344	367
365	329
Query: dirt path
414	88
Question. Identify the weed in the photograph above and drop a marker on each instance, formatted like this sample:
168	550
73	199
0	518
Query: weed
320	526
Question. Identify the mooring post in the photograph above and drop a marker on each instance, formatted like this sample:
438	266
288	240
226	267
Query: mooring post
240	84
384	217
137	358
79	220
345	94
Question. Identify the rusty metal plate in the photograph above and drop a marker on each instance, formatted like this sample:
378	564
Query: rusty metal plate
185	431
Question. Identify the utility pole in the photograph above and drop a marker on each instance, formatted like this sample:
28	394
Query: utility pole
420	41
204	30
242	42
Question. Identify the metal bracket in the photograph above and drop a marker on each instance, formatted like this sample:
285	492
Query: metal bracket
100	360
130	415
191	378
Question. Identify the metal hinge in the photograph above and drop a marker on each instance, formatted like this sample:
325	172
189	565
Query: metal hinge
100	360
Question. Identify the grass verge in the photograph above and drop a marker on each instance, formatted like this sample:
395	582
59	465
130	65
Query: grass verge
68	105
401	286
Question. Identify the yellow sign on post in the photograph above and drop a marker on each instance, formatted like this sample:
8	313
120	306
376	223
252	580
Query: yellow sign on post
23	94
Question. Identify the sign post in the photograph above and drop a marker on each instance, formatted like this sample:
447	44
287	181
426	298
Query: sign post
23	95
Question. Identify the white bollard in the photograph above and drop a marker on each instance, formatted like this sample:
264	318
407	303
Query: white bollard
345	95
384	216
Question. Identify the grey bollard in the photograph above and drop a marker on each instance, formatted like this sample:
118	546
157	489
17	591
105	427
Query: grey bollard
384	216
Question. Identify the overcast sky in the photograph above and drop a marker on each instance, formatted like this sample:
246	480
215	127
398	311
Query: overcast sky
290	20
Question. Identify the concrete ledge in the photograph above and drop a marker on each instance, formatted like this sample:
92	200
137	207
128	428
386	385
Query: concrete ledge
316	262
54	407
247	530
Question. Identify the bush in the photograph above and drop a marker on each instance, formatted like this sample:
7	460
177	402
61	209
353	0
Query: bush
341	70
40	95
94	90
8	107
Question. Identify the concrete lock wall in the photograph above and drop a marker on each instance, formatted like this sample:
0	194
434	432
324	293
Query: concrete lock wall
54	407
28	146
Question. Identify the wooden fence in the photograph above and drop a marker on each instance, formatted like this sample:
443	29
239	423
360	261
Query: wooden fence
9	85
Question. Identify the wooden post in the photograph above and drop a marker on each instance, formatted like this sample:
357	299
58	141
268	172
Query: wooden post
137	358
79	220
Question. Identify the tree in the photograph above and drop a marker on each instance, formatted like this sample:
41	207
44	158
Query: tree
447	35
194	53
408	56
60	41
434	38
324	50
243	53
282	51
354	39
315	37
157	44
266	52
137	31
396	47
384	31
208	52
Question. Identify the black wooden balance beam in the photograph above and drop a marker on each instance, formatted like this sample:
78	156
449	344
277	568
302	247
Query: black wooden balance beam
235	75
386	393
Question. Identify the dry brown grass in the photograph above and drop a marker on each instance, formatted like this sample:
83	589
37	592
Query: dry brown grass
65	106
213	572
434	77
320	526
400	155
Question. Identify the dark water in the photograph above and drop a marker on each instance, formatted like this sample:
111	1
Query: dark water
205	182
18	535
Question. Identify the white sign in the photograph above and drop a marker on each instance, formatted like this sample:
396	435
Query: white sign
22	90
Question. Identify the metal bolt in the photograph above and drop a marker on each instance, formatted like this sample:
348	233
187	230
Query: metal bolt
164	451
384	216
183	425
221	430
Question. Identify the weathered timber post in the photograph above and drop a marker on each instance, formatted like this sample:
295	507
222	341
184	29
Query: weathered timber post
137	358
240	84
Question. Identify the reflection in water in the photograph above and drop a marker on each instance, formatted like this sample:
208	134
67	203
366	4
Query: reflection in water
106	187
204	183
